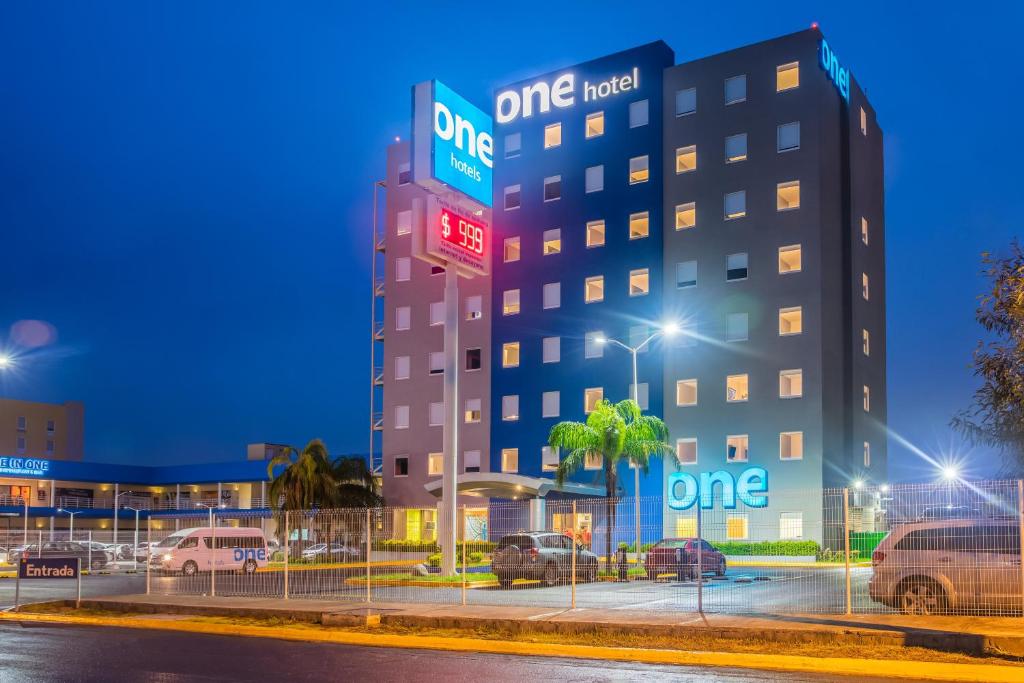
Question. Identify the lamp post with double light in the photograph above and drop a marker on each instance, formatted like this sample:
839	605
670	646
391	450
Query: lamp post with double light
71	525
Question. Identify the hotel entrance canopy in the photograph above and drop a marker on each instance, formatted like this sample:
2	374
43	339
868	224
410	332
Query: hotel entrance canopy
506	485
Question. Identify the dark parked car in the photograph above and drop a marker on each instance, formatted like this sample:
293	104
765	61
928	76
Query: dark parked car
541	555
63	549
679	556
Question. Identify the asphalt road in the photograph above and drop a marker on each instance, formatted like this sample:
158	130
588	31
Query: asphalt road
68	653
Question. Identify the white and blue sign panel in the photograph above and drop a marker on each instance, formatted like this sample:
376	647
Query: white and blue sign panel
839	76
24	467
453	143
750	488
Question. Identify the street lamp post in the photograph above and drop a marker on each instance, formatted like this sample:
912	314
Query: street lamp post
117	497
71	527
667	330
213	547
135	544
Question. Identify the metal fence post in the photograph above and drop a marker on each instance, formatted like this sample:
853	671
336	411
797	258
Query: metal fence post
39	547
78	598
369	549
213	554
700	561
846	544
463	555
1020	525
287	552
90	551
149	550
574	551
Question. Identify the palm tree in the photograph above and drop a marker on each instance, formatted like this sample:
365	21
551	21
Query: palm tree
613	432
357	487
306	482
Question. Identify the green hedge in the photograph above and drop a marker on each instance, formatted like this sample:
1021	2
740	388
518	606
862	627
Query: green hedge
472	557
395	545
783	548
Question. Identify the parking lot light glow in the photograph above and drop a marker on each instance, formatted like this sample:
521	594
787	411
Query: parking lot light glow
670	328
884	488
599	339
858	483
950	473
5	361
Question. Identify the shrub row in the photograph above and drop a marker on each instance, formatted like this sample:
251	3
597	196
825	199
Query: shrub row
395	545
783	548
472	557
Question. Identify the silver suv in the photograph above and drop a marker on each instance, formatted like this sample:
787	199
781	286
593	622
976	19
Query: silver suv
940	565
541	555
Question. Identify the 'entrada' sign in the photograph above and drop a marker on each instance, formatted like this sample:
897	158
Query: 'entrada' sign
751	489
49	568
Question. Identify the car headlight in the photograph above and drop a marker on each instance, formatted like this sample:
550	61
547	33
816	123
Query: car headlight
167	557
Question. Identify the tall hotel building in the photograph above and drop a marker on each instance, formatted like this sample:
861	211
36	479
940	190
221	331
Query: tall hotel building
738	195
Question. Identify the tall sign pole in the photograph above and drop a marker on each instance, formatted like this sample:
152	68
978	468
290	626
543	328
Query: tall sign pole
449	477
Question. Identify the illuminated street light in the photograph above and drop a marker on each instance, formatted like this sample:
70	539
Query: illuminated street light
858	483
5	361
884	488
950	473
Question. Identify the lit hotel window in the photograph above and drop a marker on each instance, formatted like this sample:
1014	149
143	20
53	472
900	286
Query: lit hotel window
867	454
510	408
435	464
552	135
737	388
686	159
791	321
791	383
512	251
549	403
787	76
639	282
471	461
864	230
591	349
403	222
437	313
737	526
788	196
863	121
595	124
686	274
867	399
551	349
686	451
736	148
509	459
791	446
552	241
686	392
435	363
686	101
638	114
552	188
639	225
788	137
686	215
401	417
867	342
472	359
402	317
513	145
510	355
789	259
735	205
736	327
591	397
594	179
595	233
549	459
639	170
736	448
401	367
593	289
474	307
512	193
510	302
552	295
735	89
735	267
864	285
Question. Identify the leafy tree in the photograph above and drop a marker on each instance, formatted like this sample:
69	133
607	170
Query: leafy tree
996	418
613	432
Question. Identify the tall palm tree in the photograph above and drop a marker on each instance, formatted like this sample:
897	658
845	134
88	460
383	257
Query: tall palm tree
357	487
613	432
306	482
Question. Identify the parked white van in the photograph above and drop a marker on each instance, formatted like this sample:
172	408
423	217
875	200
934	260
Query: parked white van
190	551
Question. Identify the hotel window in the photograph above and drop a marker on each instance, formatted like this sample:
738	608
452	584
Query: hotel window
509	459
592	461
686	451
593	289
735	267
686	215
595	233
791	383
686	274
864	286
591	349
51	427
866	338
510	355
437	313
401	367
510	302
549	459
402	315
513	145
512	197
552	294
642	394
20	446
591	397
435	464
791	446
637	335
403	269
788	137
552	241
595	124
594	178
473	410
686	392
22	423
472	359
864	230
639	170
867	454
787	76
639	282
788	196
402	466
686	101
510	408
404	173
735	89
474	307
435	363
735	205
737	526
552	349
863	122
403	222
791	321
552	188
436	270
736	148
638	114
736	448
736	327
639	225
549	402
49	446
552	135
737	388
436	414
867	399
512	249
401	417
789	259
471	461
686	159
791	525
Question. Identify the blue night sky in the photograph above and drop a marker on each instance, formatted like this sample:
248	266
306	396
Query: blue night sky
185	193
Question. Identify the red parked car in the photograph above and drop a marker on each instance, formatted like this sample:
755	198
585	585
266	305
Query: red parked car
673	555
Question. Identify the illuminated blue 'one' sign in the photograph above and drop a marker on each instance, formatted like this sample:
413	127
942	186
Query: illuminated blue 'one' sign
830	63
751	489
24	467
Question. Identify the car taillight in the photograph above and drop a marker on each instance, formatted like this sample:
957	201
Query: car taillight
534	553
877	557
